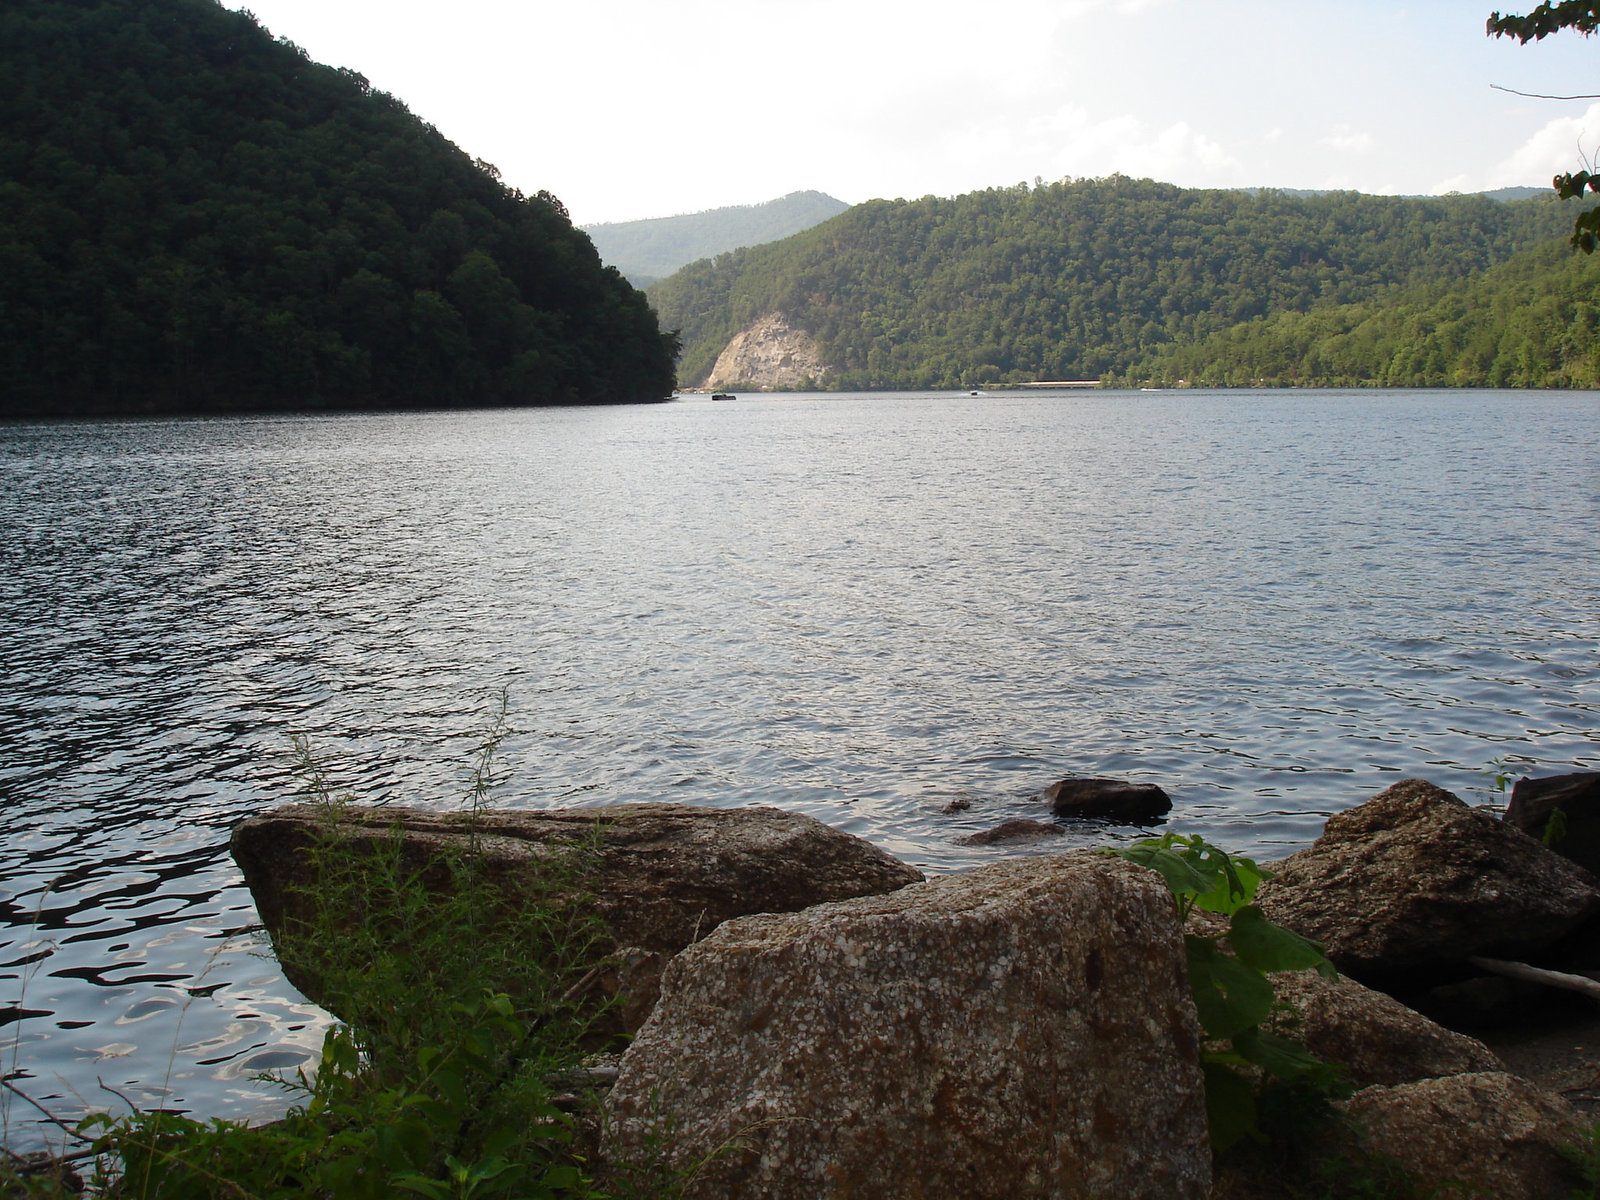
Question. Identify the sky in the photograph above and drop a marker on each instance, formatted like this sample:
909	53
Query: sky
627	109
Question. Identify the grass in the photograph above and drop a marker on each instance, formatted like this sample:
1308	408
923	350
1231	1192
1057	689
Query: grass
460	1005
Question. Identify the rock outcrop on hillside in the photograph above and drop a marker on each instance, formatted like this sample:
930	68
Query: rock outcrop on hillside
1024	1029
769	356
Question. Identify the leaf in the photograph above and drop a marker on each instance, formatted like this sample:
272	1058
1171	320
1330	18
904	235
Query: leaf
1267	946
1181	878
1229	996
1235	885
1230	1106
1283	1057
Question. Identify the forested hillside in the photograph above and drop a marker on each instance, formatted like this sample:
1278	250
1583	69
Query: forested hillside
195	216
1080	279
1532	322
645	251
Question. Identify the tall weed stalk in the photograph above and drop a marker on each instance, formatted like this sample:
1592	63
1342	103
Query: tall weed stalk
460	989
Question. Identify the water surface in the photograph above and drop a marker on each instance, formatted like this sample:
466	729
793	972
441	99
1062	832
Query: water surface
867	608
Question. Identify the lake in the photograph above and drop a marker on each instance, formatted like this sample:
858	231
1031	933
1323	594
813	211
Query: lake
864	607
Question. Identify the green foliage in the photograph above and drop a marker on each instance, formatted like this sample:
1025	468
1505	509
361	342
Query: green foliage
193	215
1530	322
1555	828
1082	279
1551	17
1228	977
462	1001
1586	1158
1582	15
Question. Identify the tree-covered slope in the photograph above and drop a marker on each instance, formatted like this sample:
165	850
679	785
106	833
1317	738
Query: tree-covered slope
1531	322
645	251
195	216
1079	279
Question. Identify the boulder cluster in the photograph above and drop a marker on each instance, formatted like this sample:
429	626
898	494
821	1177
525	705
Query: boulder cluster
812	1019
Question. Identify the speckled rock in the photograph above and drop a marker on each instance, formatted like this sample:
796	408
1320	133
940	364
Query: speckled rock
1023	1029
1488	1133
1374	1037
662	876
1414	878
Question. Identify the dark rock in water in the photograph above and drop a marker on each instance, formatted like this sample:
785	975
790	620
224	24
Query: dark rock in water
663	876
1024	1029
1012	831
1414	879
1114	800
1576	833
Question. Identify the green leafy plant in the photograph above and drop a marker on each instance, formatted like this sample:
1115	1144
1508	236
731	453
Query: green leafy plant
1228	977
464	998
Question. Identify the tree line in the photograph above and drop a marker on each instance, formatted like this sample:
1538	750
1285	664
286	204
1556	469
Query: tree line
194	215
1083	279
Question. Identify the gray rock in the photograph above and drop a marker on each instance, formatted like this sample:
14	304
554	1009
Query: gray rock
1011	832
1488	1133
1375	1038
1414	878
1023	1029
663	876
1534	802
1114	800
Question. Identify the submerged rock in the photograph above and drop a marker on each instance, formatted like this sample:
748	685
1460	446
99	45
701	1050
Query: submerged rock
1414	879
1009	832
1114	800
1022	1029
661	875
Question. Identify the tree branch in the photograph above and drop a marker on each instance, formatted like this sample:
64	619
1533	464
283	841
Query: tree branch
1542	96
1516	970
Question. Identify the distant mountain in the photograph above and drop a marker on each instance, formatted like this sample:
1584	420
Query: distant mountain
195	216
645	251
1083	279
1516	193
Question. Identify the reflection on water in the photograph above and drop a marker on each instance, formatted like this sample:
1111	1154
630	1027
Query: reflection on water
1273	604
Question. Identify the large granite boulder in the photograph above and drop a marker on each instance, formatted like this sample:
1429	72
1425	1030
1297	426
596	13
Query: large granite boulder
1114	800
1375	1038
1485	1134
1414	879
1577	833
1022	1029
661	875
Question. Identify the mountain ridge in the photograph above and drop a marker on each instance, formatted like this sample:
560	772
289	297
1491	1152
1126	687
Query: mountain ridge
653	248
1078	279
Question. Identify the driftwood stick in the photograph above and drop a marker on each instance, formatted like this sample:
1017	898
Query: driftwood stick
1558	979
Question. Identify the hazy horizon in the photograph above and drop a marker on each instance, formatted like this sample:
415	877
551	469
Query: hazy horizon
629	111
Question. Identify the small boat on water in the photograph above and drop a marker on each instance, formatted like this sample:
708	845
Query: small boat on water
723	396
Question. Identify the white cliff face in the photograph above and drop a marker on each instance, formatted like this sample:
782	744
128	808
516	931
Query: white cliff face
769	356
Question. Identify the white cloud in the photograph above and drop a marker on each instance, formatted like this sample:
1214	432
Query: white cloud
1564	144
1343	137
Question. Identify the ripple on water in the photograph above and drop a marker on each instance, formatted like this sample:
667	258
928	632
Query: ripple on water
862	608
